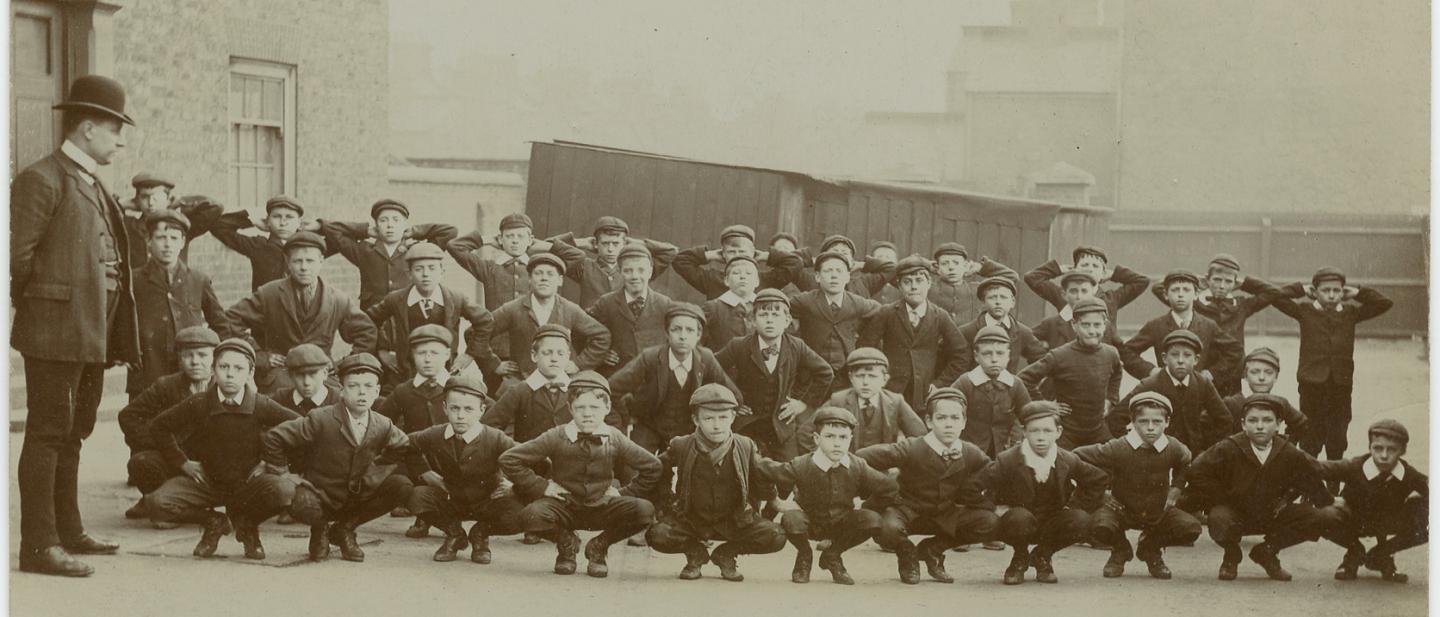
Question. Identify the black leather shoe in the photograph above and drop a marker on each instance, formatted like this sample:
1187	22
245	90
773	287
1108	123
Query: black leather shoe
479	545
1019	563
836	566
217	525
249	536
595	552
53	560
567	545
138	511
1264	555
86	545
319	542
933	555
909	564
344	536
1044	570
418	529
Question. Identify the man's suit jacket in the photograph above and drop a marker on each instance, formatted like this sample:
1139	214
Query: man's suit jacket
166	307
1012	483
897	420
1327	337
929	484
919	356
395	308
1222	353
472	475
57	282
592	279
134	418
832	334
274	311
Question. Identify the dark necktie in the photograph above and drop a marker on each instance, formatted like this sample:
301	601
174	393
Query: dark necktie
867	411
426	305
307	405
835	306
636	306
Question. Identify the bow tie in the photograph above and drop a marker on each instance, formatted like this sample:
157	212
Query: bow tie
637	305
554	388
593	439
770	352
951	454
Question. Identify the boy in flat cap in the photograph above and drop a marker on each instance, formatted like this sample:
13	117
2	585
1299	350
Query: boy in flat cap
735	241
518	320
1262	368
1047	491
195	349
941	490
997	301
920	338
309	369
864	277
425	301
459	478
1095	264
1328	311
779	376
1385	497
829	316
1147	470
1218	302
378	247
1084	376
351	458
584	457
297	309
881	416
528	408
884	250
507	276
1198	417
1247	484
267	255
718	490
731	315
954	288
1220	353
169	297
153	196
220	463
1057	330
635	312
826	483
600	273
993	395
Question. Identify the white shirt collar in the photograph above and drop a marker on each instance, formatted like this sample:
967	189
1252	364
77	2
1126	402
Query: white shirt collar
470	436
415	297
1339	306
823	462
1066	312
1178	382
686	364
917	311
318	398
644	293
1041	465
760	342
220	396
1007	322
523	259
572	432
358	426
978	377
85	161
835	299
939	448
1135	441
441	379
1181	321
730	298
1370	469
1263	455
537	381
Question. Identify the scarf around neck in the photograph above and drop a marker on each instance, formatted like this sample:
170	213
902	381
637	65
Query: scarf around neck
715	450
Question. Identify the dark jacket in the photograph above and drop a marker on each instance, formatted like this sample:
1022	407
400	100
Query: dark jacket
928	483
274	311
1327	338
1296	423
802	375
595	279
503	280
135	417
1230	474
1222	354
725	322
828	499
1012	483
895	418
1086	379
631	333
474	474
166	307
959	299
679	460
412	411
1024	346
199	210
380	273
1140	479
585	471
646	381
266	253
225	441
990	415
1367	500
1041	280
526	414
1199	417
832	334
867	282
919	356
515	325
1232	312
286	396
394	308
690	264
339	467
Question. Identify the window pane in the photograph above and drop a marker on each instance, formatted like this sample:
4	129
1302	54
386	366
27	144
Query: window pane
31	45
252	98
246	177
274	101
263	149
245	144
237	96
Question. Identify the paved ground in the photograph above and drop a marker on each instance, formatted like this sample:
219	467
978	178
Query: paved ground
154	574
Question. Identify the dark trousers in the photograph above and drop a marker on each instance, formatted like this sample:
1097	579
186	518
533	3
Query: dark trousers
493	517
1175	527
676	535
621	517
1291	525
183	500
953	527
1071	439
1405	528
61	399
309	508
1050	531
148	470
844	533
1327	406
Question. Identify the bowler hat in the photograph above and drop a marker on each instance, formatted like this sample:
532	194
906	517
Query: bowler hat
97	93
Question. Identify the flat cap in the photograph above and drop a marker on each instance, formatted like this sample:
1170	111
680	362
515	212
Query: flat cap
684	309
834	239
1076	276
358	363
552	330
305	239
388	204
196	336
284	201
912	264
713	396
145	180
1327	274
1151	398
466	384
951	248
882	244
944	394
784	235
1183	337
1037	410
1180	276
741	259
518	219
866	356
632	250
1390	428
994	281
833	415
423	250
829	255
432	333
1225	260
1263	401
1089	305
771	296
733	231
169	216
992	334
545	259
1083	250
236	344
1264	354
611	224
589	380
306	356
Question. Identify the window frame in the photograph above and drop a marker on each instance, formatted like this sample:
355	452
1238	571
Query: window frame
286	73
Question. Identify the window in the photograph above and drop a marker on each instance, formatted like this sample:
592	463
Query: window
262	132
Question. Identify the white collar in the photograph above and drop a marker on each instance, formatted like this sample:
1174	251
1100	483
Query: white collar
470	436
1181	324
1007	322
572	432
834	300
732	299
442	379
220	396
1339	306
687	364
823	462
1066	312
537	381
1178	382
917	310
1370	469
1263	455
522	259
81	158
939	448
415	297
644	293
978	377
318	398
760	342
1136	441
1042	465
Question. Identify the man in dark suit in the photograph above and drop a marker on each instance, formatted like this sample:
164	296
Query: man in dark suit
920	338
74	315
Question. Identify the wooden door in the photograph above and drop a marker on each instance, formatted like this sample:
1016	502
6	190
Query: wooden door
36	81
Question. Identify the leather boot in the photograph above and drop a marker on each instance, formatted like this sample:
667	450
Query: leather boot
1154	558
319	541
695	557
1044	570
1349	568
418	529
1268	558
1230	563
804	558
216	525
479	544
455	541
932	552
248	534
725	557
567	545
1384	563
1120	554
831	560
53	560
138	510
909	563
343	534
596	551
1019	563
